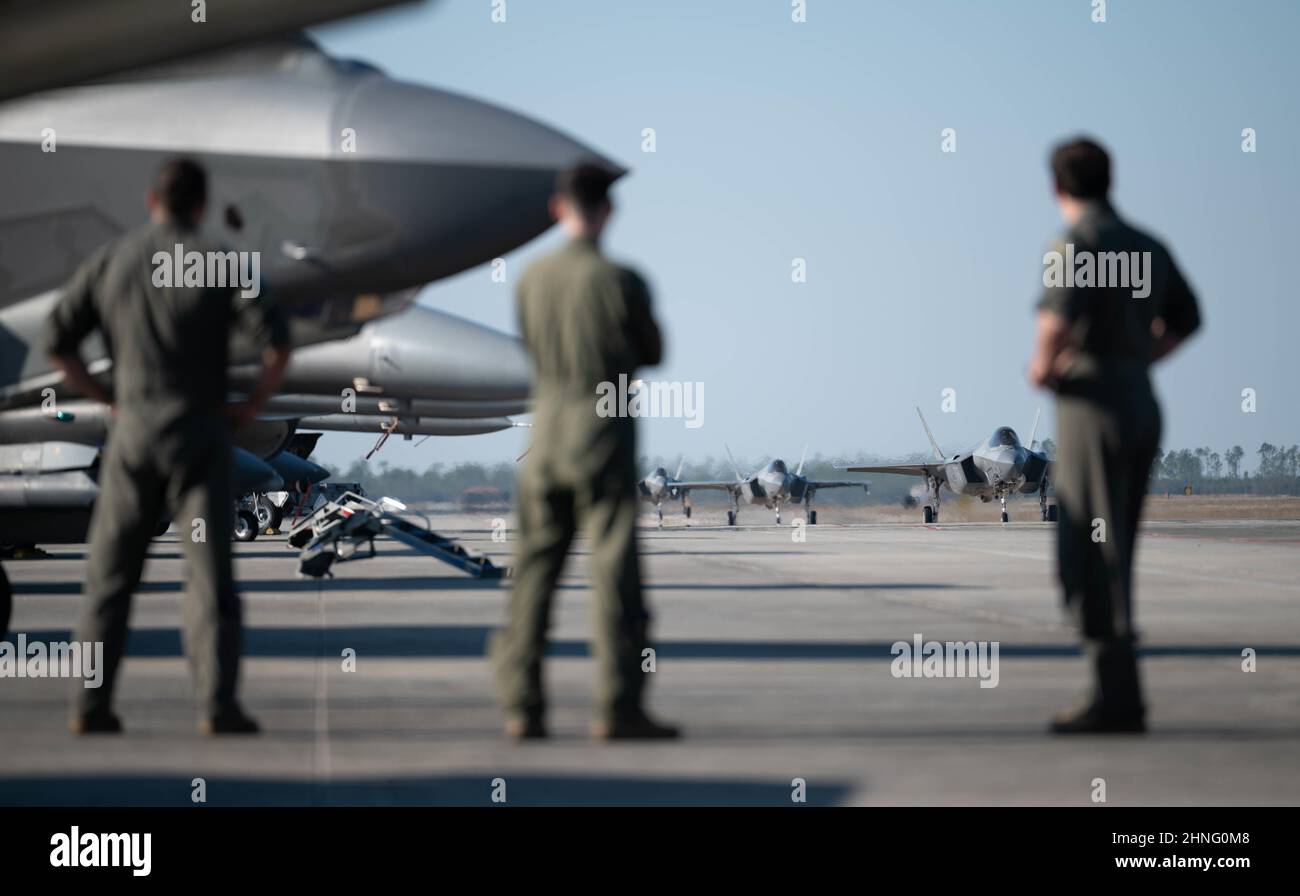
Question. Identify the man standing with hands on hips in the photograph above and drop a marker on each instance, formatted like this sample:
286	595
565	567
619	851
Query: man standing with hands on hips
1098	333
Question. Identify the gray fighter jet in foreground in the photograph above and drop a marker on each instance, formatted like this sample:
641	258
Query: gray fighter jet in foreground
992	471
52	43
772	486
355	190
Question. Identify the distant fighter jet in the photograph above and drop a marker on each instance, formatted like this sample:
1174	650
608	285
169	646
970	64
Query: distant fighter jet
659	485
992	470
771	487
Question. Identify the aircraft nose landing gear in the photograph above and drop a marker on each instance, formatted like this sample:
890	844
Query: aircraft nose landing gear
1006	518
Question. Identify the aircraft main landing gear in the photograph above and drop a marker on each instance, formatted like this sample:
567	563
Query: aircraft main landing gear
1050	513
930	514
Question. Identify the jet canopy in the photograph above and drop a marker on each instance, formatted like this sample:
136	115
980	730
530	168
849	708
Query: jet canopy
1004	436
777	466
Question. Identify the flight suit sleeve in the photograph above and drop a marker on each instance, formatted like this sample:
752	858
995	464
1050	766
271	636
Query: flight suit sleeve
76	315
1064	301
643	334
1179	309
521	311
261	319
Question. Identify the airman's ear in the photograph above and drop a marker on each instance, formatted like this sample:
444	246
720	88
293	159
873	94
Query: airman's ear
556	206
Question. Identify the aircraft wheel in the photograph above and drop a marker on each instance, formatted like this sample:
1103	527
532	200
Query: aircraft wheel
731	518
927	514
1006	517
1053	514
245	526
267	516
812	517
300	538
688	513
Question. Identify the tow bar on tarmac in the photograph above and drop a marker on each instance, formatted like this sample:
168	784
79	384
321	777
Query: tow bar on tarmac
337	530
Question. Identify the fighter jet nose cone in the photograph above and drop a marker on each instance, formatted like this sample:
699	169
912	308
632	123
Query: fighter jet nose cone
439	183
444	356
407	122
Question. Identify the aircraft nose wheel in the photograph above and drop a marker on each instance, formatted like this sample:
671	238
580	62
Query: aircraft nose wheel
1053	514
731	518
812	517
1006	517
245	526
927	514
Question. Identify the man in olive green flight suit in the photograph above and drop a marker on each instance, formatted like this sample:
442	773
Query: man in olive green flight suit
169	446
1113	304
584	321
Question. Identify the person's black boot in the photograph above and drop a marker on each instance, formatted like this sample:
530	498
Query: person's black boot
232	720
638	726
96	722
1115	706
525	727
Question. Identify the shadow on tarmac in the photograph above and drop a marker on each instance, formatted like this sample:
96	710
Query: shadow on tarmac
470	642
453	790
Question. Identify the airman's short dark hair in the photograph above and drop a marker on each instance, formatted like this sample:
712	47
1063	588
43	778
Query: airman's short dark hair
182	187
586	184
1081	169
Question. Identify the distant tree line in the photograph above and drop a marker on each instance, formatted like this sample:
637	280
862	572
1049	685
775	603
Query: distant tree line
1208	471
1205	470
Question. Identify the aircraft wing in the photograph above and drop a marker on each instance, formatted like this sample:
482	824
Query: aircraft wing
935	470
716	486
835	483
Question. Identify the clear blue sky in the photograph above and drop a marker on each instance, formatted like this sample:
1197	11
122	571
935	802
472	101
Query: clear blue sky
822	140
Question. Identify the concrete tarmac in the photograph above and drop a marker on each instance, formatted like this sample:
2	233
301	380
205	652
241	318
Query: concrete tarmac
774	654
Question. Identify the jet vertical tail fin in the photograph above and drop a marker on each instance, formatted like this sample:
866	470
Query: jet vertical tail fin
681	462
802	458
1033	432
930	435
734	468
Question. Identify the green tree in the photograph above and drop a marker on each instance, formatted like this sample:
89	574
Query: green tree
1233	456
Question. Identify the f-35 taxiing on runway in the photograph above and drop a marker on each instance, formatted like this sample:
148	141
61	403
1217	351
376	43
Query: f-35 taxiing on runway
659	486
772	486
992	470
